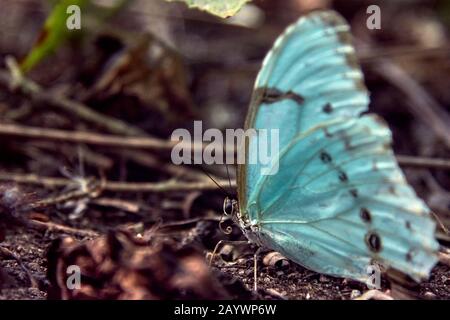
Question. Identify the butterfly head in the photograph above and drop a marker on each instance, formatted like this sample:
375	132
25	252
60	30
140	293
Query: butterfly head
230	207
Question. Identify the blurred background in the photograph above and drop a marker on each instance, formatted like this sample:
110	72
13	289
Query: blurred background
144	68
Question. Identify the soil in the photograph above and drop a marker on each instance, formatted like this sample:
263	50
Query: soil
274	282
209	77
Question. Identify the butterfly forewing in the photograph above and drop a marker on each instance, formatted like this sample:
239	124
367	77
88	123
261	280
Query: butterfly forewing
313	69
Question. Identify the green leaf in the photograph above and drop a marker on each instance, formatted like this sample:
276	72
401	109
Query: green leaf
52	34
221	8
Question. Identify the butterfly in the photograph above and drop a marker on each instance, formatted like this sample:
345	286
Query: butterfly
339	201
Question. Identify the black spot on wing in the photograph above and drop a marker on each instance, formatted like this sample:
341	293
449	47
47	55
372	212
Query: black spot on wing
354	193
328	108
343	176
272	95
409	256
392	190
325	157
408	225
373	242
365	215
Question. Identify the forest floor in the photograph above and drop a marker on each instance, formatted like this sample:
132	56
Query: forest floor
66	203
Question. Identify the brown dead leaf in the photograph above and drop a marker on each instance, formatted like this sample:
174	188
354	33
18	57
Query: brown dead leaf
275	259
119	266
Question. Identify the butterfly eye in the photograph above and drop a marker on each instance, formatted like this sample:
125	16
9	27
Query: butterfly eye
227	206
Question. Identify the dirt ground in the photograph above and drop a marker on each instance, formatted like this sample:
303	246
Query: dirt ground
289	281
206	71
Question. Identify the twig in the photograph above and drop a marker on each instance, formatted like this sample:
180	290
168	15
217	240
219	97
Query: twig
149	160
94	158
422	162
160	144
86	137
170	185
9	253
34	91
421	104
113	141
92	191
31	89
187	221
120	204
61	228
373	55
101	161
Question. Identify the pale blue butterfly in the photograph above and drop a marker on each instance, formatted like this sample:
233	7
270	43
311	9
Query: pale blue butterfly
339	201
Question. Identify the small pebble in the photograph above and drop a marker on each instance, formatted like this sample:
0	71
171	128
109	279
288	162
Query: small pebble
275	293
429	295
355	294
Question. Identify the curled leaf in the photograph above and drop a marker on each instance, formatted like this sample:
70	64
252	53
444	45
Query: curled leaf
275	259
221	8
53	33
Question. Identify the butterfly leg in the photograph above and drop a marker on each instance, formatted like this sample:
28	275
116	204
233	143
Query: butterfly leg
255	269
219	244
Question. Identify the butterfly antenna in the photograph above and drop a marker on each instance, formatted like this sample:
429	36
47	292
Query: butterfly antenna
226	166
228	174
226	230
212	179
215	182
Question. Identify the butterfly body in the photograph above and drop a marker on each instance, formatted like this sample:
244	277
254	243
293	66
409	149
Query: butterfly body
337	201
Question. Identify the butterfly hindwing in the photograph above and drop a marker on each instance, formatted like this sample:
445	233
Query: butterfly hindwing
345	194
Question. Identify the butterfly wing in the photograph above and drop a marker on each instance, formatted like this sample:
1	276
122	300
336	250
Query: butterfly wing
312	67
345	203
339	199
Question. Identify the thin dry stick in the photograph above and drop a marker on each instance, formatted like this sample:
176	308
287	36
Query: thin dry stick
120	204
421	104
422	162
160	144
92	191
86	137
6	252
170	185
149	160
61	228
373	55
36	93
94	158
14	79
